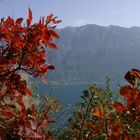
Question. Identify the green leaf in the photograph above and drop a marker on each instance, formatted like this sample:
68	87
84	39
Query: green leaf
137	126
86	93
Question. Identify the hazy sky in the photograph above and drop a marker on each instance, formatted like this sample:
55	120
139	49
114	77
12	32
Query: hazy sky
77	12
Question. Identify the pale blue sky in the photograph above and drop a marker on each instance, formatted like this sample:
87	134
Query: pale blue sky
77	12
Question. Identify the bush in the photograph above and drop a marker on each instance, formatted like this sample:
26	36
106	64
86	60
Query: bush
22	48
100	116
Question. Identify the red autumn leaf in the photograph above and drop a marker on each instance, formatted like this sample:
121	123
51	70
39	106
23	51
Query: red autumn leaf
21	103
33	110
19	21
24	51
126	137
44	68
20	131
32	59
116	131
51	67
54	34
43	125
52	46
126	91
1	94
119	106
49	18
9	21
97	112
132	76
29	17
135	101
7	114
42	54
28	92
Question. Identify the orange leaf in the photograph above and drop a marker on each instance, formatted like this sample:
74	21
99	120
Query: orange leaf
97	112
126	137
132	76
43	125
44	68
28	92
119	106
126	91
52	46
49	18
54	34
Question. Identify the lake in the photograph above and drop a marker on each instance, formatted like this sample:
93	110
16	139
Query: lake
67	94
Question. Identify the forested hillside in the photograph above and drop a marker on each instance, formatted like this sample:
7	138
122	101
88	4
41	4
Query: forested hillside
92	52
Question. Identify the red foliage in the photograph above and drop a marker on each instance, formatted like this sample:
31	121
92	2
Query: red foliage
124	122
22	48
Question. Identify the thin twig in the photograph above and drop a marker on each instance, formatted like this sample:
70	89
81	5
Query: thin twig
87	110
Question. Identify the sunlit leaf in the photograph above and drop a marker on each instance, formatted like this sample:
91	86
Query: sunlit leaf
119	106
54	34
97	112
52	46
43	125
132	76
126	91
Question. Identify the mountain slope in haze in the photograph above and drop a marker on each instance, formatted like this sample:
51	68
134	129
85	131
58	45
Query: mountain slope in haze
92	52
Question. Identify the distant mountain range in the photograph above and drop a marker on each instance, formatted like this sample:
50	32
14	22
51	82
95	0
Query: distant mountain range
91	52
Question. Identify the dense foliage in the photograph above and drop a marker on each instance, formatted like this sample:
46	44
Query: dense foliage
104	114
22	48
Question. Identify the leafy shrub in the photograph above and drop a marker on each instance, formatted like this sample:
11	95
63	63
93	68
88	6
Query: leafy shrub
100	116
22	48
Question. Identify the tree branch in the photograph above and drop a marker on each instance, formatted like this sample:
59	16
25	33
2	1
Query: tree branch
18	68
87	110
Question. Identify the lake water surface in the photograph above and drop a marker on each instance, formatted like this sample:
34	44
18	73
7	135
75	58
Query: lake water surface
68	94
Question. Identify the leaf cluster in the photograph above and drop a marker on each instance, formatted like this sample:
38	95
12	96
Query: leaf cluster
23	48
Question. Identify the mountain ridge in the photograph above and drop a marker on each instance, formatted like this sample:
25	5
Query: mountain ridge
92	52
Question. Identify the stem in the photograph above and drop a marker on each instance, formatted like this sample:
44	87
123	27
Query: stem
106	130
19	66
7	73
87	111
44	115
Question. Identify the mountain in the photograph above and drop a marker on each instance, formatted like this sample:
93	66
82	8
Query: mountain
91	52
